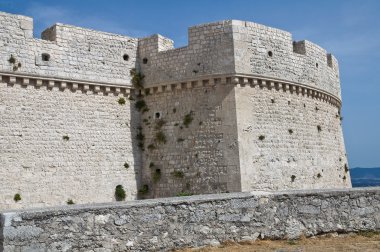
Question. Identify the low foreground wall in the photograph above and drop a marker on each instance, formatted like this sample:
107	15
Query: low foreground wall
190	221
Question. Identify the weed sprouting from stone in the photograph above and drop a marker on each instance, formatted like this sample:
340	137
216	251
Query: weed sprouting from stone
119	193
188	119
70	202
178	174
160	137
121	101
17	197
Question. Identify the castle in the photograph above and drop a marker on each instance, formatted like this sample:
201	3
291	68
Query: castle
242	107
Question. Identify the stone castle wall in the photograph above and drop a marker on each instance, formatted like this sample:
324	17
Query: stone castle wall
46	169
74	53
74	93
164	224
288	93
198	157
270	52
303	144
236	80
210	52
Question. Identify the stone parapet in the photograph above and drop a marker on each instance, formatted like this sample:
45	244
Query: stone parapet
159	225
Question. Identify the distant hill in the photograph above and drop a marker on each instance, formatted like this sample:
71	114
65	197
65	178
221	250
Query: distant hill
361	177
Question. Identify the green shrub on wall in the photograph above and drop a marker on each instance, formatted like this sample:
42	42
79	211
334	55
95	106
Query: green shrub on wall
17	197
120	193
70	202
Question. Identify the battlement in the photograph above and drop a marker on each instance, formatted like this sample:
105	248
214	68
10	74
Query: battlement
65	51
218	48
239	47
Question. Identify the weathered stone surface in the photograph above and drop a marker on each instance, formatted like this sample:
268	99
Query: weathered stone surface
158	225
263	114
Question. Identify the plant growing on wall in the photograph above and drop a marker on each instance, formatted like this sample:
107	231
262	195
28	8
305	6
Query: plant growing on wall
137	78
261	137
188	119
121	101
156	175
290	131
119	193
178	174
126	165
144	189
293	177
12	60
183	194
319	128
17	197
66	137
346	168
140	138
70	202
141	106
159	124
160	137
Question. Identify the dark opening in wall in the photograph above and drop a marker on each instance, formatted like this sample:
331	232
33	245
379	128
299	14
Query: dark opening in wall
145	60
316	65
157	115
45	57
270	53
126	57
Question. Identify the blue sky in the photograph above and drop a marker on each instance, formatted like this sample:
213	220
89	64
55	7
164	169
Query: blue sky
348	29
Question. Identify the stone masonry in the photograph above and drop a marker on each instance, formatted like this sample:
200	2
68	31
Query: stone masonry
242	107
163	224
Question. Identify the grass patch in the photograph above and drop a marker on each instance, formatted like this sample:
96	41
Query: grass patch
368	233
183	194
